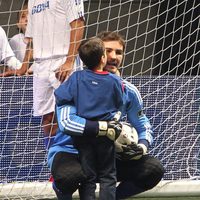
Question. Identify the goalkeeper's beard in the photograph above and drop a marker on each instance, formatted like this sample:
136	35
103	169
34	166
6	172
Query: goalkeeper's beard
112	68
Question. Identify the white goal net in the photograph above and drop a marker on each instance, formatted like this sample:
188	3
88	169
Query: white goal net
161	59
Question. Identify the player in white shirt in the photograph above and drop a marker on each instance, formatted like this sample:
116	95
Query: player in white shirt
18	42
18	45
7	56
54	31
56	28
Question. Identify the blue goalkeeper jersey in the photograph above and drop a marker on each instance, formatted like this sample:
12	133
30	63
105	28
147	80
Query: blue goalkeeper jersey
70	123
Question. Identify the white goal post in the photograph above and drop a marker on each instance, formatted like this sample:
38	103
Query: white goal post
161	58
43	190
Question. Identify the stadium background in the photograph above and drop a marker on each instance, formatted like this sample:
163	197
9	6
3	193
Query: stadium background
138	30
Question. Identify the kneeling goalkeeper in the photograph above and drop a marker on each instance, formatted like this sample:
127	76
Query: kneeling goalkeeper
135	176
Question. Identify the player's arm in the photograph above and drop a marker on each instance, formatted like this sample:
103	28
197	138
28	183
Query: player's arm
136	115
72	124
77	24
28	56
141	123
12	63
66	93
19	71
76	35
7	57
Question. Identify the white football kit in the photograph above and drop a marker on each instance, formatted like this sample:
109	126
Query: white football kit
18	45
5	50
49	27
7	56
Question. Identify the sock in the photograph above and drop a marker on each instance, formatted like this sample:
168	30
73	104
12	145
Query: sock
48	142
127	189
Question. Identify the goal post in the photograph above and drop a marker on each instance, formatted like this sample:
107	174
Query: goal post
43	190
161	59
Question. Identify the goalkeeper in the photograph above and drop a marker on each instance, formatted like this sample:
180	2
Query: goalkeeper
135	175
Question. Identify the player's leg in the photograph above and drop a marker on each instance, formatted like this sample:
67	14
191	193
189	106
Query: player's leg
106	168
137	176
43	105
67	173
44	84
87	157
49	127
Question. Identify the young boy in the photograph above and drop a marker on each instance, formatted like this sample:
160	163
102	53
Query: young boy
97	95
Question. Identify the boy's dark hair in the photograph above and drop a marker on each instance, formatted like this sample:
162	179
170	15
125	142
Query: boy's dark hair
111	36
91	51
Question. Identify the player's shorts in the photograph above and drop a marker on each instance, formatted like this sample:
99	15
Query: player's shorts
45	82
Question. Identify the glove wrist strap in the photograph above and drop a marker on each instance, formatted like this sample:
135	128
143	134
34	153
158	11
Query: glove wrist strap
103	127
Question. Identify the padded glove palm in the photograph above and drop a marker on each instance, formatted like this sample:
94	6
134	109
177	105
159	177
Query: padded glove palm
132	152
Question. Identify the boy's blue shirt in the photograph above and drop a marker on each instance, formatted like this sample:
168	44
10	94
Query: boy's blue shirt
96	95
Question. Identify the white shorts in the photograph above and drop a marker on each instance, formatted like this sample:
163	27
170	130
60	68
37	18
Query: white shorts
44	84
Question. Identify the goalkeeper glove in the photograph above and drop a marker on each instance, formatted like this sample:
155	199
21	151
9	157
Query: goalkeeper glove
111	129
128	135
132	151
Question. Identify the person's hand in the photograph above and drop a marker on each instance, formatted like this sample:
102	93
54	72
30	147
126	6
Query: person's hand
8	73
64	71
132	151
128	135
111	129
17	72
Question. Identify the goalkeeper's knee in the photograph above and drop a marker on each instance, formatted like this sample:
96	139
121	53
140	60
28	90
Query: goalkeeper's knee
67	172
68	184
65	187
152	174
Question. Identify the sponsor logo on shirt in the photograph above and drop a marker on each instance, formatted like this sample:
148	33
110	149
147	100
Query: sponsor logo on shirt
94	83
40	7
78	2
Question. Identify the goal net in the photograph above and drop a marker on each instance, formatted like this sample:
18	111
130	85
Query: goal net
161	58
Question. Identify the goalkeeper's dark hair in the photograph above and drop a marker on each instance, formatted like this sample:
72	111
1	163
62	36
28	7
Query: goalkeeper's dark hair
91	51
107	36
